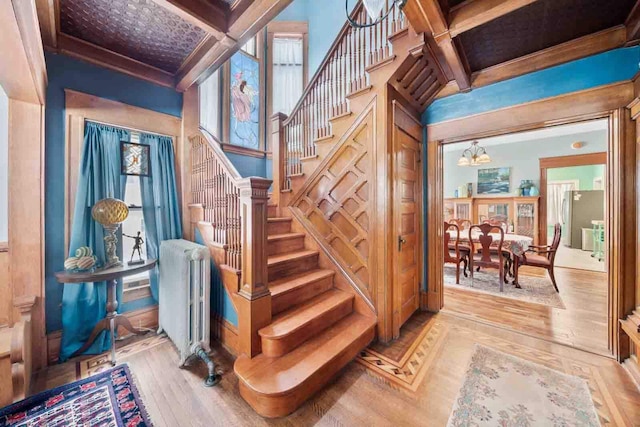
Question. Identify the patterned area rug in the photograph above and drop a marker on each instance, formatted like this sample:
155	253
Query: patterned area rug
538	290
107	399
503	390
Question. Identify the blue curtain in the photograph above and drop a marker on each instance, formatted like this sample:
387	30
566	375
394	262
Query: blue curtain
83	305
160	207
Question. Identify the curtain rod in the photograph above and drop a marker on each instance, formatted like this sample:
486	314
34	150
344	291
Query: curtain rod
129	128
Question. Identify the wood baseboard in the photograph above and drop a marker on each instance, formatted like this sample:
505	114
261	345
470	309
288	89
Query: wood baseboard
146	317
225	332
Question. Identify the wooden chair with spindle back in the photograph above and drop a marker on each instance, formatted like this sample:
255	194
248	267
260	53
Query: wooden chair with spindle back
483	255
541	257
458	255
501	221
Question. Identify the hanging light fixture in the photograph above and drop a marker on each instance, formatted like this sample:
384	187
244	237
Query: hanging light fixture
374	11
474	156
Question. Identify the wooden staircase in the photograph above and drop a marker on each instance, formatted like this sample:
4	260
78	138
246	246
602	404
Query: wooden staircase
303	270
314	331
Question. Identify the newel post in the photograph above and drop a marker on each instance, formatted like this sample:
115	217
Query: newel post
254	304
278	154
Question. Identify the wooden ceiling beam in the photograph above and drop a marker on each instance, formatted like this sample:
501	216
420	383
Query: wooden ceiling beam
428	17
208	15
246	19
633	23
469	15
47	18
108	59
582	47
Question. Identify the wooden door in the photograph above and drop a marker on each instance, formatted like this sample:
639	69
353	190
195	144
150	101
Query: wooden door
406	208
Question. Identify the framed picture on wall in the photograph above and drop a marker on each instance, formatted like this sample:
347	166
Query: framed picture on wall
494	180
244	90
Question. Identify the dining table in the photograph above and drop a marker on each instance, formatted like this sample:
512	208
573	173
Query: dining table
517	244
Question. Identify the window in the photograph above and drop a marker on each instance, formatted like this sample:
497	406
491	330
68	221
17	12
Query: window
287	73
287	69
251	47
135	286
210	101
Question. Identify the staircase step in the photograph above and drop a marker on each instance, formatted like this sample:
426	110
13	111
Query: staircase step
278	225
272	210
286	242
292	328
277	386
283	265
292	290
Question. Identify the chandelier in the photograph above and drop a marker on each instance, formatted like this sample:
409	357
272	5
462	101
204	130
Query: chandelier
374	11
474	156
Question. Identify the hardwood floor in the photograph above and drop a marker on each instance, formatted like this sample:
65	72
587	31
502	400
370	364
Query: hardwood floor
583	324
177	397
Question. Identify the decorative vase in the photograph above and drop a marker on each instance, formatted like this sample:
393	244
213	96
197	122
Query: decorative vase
533	191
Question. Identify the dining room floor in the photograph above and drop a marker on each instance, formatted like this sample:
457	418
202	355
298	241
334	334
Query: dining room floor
581	324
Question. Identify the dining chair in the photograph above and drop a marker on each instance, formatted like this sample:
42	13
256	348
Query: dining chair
541	257
508	256
482	254
460	255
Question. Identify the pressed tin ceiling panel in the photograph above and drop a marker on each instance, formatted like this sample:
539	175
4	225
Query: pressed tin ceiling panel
540	25
139	29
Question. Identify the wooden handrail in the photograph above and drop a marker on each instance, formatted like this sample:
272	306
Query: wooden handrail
216	146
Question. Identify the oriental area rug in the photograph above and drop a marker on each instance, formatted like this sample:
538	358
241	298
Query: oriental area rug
503	390
537	290
109	398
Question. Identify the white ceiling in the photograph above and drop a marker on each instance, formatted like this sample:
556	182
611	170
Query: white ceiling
545	133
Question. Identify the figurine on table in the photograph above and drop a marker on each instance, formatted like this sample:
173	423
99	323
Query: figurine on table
137	246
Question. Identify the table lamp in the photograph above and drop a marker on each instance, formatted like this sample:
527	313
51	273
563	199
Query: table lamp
110	213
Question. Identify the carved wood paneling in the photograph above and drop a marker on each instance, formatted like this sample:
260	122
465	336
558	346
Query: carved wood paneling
336	202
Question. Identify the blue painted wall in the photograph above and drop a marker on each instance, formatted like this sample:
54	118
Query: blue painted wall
605	68
65	72
248	165
296	11
220	301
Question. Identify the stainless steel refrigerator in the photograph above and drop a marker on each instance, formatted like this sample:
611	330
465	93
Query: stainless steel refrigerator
579	208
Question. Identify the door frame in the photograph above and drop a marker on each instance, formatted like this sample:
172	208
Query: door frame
561	162
397	107
611	102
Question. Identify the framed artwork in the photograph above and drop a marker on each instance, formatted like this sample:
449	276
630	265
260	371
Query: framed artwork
244	111
134	159
494	180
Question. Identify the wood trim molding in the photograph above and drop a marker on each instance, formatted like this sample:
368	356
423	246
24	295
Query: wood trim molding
47	17
297	28
243	151
601	102
20	45
546	111
225	332
146	317
4	246
560	162
80	107
105	58
572	50
577	160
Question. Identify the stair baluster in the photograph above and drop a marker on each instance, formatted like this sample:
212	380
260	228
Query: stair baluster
342	72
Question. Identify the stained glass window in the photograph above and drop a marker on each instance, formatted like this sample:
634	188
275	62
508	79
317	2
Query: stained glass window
134	159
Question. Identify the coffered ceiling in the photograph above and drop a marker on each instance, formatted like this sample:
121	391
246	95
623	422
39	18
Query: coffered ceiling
479	42
170	42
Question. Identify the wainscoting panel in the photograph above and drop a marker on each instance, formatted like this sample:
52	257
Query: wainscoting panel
335	202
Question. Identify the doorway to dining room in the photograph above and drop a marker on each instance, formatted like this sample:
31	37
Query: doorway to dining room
506	254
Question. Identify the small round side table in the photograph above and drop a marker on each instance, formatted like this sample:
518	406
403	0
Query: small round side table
113	319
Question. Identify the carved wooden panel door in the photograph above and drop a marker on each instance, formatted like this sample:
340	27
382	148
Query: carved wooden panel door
407	199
